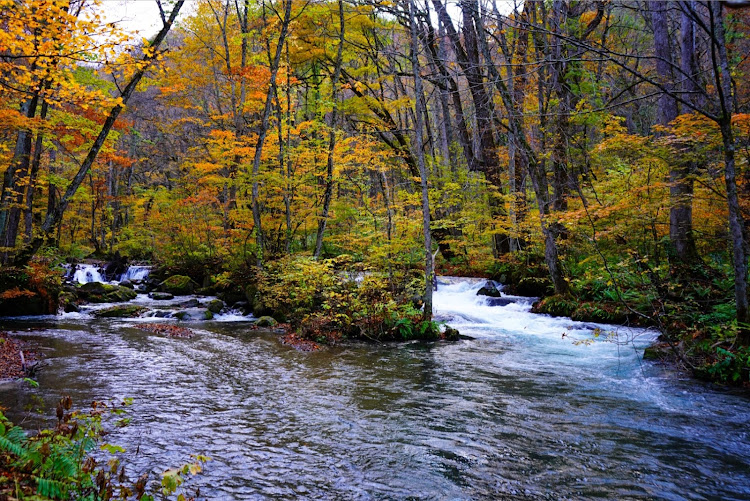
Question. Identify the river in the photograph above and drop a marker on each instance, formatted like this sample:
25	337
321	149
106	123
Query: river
531	407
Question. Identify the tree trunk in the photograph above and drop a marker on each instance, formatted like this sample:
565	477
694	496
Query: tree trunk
429	268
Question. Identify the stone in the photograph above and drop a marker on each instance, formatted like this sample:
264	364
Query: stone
266	321
124	311
500	301
179	285
97	292
190	303
215	306
160	296
489	289
128	284
451	334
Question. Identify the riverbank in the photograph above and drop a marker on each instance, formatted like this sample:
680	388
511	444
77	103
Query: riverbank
17	357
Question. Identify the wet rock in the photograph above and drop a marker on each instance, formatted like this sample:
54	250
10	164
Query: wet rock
215	306
68	302
161	314
194	314
160	296
128	284
500	301
190	303
124	311
97	292
179	285
489	289
266	321
451	334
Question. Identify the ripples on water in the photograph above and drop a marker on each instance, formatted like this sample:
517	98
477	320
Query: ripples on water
518	412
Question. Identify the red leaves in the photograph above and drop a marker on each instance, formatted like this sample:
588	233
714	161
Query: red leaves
10	360
298	343
169	330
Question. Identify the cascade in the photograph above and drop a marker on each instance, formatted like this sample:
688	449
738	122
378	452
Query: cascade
136	273
85	273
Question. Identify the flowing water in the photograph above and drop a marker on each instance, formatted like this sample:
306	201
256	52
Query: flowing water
531	407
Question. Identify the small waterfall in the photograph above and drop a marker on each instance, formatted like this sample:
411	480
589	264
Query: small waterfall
136	273
86	273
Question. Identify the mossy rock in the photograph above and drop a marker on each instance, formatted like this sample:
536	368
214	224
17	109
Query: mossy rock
208	315
215	306
160	296
451	334
68	302
557	306
124	311
97	292
179	285
489	289
266	321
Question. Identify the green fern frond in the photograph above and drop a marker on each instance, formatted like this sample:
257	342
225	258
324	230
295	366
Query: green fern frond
50	488
12	445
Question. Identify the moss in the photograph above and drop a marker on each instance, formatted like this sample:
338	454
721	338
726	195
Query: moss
557	306
179	285
125	311
600	312
215	306
266	321
96	292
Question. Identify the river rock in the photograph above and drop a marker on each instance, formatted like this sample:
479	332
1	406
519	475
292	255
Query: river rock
266	321
500	301
97	292
190	303
489	289
128	284
160	296
451	334
179	285
124	311
194	314
215	306
67	301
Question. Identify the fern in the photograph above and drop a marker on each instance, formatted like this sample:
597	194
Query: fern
51	488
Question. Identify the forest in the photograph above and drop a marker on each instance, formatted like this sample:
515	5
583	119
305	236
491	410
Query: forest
591	153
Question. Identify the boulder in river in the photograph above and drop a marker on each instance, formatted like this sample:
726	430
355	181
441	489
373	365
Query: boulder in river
124	311
266	321
215	306
160	296
179	285
97	292
489	289
128	284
